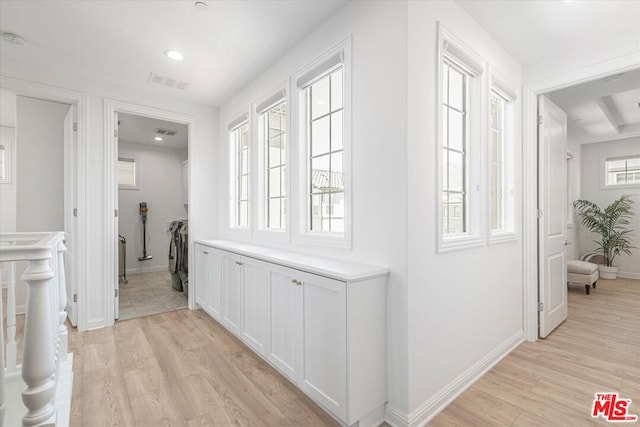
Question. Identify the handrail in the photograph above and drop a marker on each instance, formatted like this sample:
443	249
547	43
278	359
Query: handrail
45	334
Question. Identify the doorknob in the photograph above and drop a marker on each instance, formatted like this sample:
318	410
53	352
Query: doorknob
567	243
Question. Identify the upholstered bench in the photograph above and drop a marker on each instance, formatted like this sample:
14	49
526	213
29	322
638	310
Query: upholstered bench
582	273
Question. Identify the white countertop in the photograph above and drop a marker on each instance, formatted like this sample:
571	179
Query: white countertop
335	269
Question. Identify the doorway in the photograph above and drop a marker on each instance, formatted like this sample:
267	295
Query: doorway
532	279
144	220
152	216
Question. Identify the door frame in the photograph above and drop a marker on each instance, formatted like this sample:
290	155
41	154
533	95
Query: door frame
530	94
113	107
79	186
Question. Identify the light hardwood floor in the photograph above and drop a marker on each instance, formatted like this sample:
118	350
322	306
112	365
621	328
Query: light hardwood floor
552	382
182	368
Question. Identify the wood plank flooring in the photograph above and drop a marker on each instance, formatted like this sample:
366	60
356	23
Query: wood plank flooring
552	382
179	369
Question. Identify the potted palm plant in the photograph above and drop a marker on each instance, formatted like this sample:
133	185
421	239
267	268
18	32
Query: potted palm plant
612	226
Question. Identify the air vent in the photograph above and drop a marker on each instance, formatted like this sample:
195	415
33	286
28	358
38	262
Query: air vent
168	81
167	132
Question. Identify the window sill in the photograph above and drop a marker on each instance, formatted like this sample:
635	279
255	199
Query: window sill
503	237
459	243
620	187
128	187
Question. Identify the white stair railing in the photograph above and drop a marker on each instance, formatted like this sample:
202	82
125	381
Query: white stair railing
45	333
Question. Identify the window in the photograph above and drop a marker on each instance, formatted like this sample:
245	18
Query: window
622	171
460	136
274	125
127	174
454	141
497	149
239	144
3	173
323	96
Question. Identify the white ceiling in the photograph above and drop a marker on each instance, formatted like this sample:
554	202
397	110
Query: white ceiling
141	130
225	45
534	30
602	110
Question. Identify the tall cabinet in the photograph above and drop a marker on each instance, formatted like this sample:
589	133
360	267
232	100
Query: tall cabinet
320	322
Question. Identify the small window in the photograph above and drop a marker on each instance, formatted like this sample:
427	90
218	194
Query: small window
240	149
274	125
127	174
622	171
497	166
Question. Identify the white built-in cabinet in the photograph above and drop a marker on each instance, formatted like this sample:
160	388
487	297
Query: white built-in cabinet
320	322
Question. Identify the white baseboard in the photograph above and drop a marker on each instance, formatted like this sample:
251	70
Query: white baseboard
628	275
433	406
142	270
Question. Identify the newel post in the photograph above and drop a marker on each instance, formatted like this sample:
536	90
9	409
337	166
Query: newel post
38	364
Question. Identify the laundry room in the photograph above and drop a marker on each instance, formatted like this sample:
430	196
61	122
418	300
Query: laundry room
152	216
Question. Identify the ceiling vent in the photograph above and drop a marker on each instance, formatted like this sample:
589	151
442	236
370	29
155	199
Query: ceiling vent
168	81
167	132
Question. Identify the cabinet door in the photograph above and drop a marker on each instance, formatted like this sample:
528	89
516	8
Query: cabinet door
215	287
255	305
202	276
286	317
324	376
231	291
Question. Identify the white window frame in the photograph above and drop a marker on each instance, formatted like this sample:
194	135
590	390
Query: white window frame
505	90
7	137
339	55
261	106
241	121
453	50
136	172
603	173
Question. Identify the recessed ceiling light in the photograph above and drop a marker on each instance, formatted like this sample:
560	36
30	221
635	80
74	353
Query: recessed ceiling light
202	5
611	79
174	54
567	1
13	38
157	138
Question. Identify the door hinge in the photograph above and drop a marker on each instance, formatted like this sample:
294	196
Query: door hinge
540	120
115	133
117	292
75	297
75	211
540	306
540	213
75	126
115	213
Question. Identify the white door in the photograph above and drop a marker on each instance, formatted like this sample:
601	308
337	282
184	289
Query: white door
552	203
116	285
255	305
286	321
70	212
231	291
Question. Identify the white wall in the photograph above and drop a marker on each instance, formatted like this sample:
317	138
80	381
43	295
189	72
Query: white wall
8	190
592	175
378	152
159	181
98	301
40	165
463	305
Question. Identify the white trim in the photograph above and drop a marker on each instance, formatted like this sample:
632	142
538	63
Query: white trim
628	275
277	95
79	99
111	108
237	122
530	172
300	209
456	51
433	406
9	158
143	270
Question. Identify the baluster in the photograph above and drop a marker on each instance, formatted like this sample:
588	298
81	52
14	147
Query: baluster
62	303
12	354
38	363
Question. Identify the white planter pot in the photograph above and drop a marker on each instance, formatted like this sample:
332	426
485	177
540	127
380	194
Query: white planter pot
608	272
